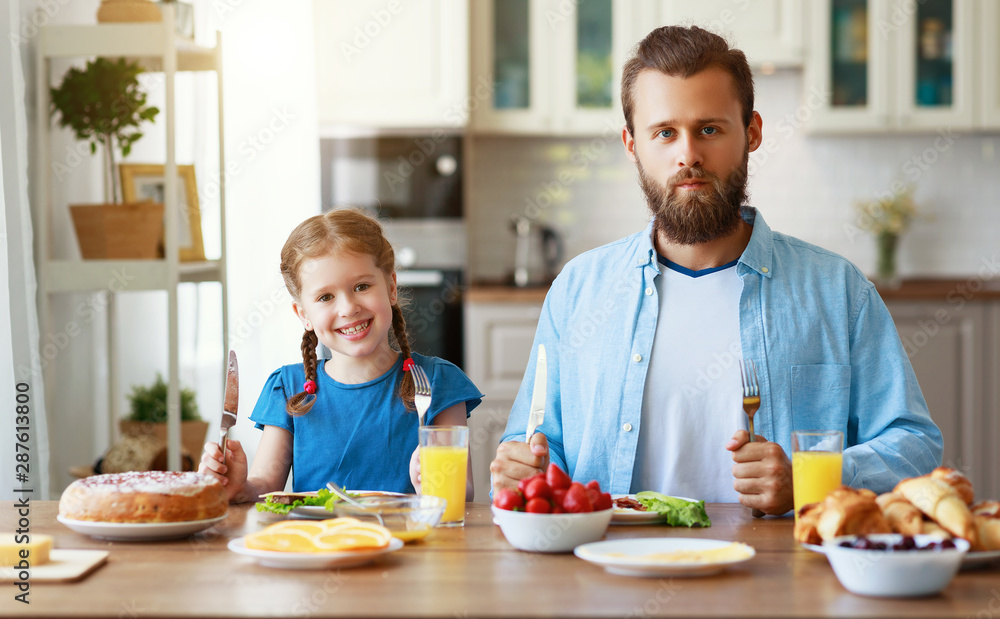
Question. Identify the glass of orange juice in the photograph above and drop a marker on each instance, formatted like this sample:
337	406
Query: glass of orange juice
444	457
817	461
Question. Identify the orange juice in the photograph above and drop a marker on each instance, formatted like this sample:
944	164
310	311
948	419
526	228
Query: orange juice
442	474
814	475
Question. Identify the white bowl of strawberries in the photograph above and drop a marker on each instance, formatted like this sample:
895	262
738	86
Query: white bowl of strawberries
551	513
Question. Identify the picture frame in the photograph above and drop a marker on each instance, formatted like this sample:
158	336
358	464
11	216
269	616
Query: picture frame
145	181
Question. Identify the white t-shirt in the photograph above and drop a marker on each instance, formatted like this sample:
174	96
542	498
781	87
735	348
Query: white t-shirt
692	403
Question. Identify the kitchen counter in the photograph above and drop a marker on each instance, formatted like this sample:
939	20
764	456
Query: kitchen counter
502	293
470	571
918	289
970	289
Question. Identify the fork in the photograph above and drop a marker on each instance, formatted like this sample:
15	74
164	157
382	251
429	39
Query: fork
751	401
422	395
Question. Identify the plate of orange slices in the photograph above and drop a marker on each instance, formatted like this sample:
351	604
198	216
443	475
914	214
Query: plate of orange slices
311	544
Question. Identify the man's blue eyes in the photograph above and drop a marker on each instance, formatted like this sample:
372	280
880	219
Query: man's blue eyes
668	133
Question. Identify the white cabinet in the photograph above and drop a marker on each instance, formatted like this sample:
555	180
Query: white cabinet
768	31
157	47
989	65
883	66
953	348
550	66
401	63
498	337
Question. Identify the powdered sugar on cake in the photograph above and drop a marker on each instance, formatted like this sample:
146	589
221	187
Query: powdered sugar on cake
155	482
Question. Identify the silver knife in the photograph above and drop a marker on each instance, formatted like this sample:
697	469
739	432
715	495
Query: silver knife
231	402
537	413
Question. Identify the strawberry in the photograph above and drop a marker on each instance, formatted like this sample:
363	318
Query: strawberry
557	509
557	477
523	484
538	506
576	500
538	489
558	496
508	499
593	495
603	502
594	484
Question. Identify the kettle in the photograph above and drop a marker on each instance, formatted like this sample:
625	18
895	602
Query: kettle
537	254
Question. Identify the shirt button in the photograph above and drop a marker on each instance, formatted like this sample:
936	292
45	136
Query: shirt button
627	427
637	357
764	269
649	291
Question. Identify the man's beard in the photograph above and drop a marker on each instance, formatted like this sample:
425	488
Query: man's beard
702	215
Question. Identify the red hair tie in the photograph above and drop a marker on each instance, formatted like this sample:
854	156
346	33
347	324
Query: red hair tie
408	365
309	387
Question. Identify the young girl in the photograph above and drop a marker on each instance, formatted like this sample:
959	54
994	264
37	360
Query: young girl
350	418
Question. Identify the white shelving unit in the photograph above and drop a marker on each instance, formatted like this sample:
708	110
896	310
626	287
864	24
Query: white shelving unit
159	49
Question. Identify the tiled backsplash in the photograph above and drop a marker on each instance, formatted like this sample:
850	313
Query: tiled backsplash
804	185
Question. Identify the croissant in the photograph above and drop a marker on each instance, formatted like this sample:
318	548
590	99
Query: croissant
805	524
847	511
956	480
987	508
929	527
901	515
988	531
939	500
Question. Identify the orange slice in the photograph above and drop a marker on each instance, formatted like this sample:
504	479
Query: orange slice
290	540
308	528
357	536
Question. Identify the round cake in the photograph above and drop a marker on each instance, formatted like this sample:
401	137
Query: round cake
144	497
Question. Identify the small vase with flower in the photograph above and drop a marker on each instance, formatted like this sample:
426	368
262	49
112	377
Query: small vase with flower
887	218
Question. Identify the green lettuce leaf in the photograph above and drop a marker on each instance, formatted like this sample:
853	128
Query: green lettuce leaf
323	498
679	513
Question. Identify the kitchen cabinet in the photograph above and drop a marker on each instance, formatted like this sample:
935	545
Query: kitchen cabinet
550	66
989	64
882	66
395	64
157	47
952	345
498	337
768	31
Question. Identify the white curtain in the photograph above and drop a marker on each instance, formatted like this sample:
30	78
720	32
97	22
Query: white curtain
24	448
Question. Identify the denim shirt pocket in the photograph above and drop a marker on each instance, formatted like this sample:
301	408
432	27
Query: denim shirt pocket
821	397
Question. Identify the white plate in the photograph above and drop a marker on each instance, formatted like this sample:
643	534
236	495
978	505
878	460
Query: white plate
319	512
632	516
138	532
977	559
312	560
627	556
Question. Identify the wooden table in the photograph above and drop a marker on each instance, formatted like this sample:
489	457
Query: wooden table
467	572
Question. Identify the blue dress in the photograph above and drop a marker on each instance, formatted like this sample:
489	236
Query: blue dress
360	436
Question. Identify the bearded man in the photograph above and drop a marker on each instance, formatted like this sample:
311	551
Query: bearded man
644	335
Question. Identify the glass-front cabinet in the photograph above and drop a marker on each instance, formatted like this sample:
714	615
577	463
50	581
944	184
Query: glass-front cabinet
882	65
549	66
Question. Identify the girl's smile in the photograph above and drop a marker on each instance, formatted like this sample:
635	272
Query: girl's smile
347	301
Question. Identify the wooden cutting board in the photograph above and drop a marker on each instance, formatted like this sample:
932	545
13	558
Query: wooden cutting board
64	565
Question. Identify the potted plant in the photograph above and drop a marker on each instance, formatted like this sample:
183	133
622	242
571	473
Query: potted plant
104	105
148	406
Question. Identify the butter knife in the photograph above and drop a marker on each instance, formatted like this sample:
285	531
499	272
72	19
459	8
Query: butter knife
231	402
536	415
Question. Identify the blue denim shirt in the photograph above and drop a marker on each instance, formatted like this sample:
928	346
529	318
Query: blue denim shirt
827	352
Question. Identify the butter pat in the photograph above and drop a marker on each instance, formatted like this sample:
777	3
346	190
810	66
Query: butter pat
37	548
